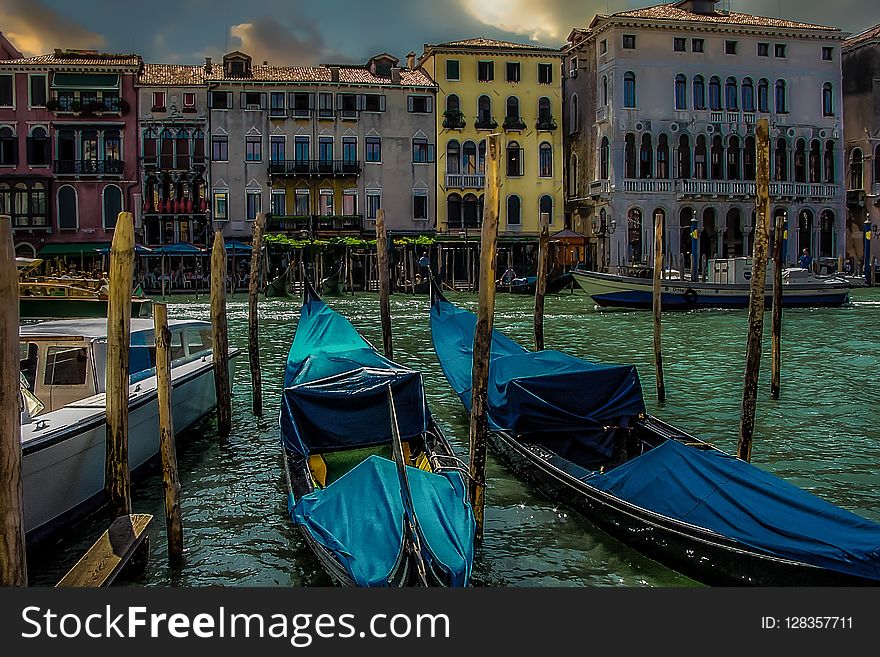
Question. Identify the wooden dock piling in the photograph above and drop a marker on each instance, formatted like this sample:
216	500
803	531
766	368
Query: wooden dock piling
479	426
253	316
117	475
541	283
167	448
13	560
657	305
756	294
384	283
776	335
220	342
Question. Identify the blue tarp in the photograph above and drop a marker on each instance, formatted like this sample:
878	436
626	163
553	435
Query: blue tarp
366	531
562	399
336	388
716	491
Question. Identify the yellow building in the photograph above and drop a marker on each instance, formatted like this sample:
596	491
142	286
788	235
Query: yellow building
488	86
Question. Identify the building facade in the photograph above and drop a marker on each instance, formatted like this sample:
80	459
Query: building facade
321	148
660	112
488	86
861	98
173	129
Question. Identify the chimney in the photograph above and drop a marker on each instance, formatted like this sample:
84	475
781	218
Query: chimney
334	74
265	62
411	60
395	75
208	65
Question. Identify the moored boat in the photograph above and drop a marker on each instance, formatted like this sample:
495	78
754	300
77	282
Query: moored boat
579	432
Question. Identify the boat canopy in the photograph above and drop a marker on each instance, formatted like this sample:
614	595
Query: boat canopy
716	491
545	395
336	388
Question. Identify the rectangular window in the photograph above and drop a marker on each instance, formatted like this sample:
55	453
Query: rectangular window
279	202
349	202
679	44
221	99
420	205
374	202
730	47
325	104
513	71
452	69
325	149
158	101
277	148
697	45
545	73
779	50
374	103
276	104
253	149
301	148
573	67
603	46
349	150
485	71
253	100
374	149
420	104
221	200
423	152
220	148
189	100
254	203
6	92
763	50
325	202
827	53
629	41
301	207
38	91
302	103
66	366
348	105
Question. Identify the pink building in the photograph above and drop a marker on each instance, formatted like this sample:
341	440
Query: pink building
68	149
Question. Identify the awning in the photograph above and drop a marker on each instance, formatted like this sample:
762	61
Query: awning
80	81
72	248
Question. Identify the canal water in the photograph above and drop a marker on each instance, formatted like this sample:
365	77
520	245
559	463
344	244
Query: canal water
822	435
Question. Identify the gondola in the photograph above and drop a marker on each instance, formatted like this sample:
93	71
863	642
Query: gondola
278	287
369	520
527	285
333	285
580	433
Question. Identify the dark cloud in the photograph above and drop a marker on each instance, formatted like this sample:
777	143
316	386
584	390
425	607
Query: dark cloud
268	39
35	28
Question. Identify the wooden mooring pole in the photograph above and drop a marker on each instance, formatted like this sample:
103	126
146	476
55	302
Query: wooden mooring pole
756	294
220	342
541	283
253	316
479	426
657	304
167	448
117	475
384	283
13	561
776	335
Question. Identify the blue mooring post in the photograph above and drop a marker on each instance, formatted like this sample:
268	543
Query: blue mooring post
867	227
695	248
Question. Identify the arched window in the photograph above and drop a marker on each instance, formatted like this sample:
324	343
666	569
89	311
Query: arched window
198	150
800	161
512	108
68	212
545	160
469	158
780	158
829	162
629	156
646	157
453	105
699	92
700	169
8	147
827	99
574	118
573	176
717	168
604	159
514	159
38	147
826	234
471	214
151	146
749	162
605	90
680	92
166	152
663	157
484	112
513	210
629	89
453	211
715	93
733	158
634	235
805	230
748	94
545	116
764	95
453	156
545	207
815	164
781	98
731	95
684	156
685	240
111	201
856	169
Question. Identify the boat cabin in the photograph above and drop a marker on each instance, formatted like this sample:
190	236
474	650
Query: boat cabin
64	361
734	271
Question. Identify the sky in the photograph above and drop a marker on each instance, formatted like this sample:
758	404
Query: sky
304	32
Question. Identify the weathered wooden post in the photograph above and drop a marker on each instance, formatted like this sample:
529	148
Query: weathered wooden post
253	316
541	283
384	283
170	479
776	335
479	426
657	304
220	338
117	475
13	560
756	294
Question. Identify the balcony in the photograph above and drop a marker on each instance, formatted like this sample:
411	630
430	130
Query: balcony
465	180
647	186
88	167
278	113
716	117
600	187
314	167
514	123
855	198
453	120
547	123
602	115
747	189
317	223
184	207
171	163
486	123
750	118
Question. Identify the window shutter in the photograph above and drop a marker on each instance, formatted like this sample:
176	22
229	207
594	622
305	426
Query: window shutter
409	103
311	101
263	97
291	100
210	99
382	103
361	102
228	100
243	100
339	101
429	103
430	152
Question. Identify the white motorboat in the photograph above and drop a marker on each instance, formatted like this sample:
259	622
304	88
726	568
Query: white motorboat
63	417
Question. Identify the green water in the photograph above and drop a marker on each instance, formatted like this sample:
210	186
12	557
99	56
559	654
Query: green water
821	435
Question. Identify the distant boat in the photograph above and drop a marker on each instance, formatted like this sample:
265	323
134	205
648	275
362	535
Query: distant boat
64	421
528	284
278	287
333	285
727	286
579	432
371	520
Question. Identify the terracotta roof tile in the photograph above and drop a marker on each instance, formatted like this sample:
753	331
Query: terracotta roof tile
80	58
171	74
673	12
483	42
347	75
868	35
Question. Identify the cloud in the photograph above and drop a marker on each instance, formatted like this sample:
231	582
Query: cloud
36	29
548	21
266	39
